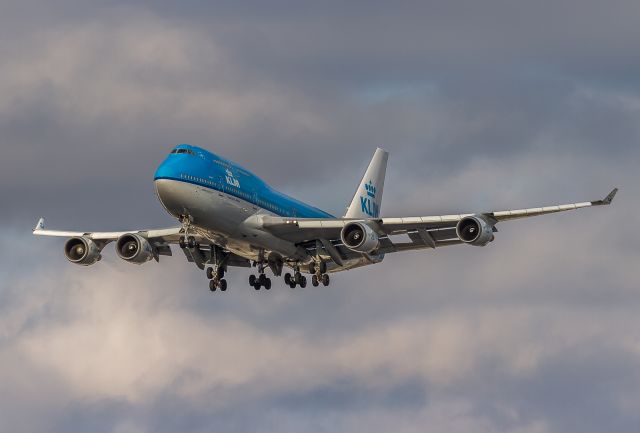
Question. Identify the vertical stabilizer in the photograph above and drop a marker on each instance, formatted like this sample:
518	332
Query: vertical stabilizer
368	198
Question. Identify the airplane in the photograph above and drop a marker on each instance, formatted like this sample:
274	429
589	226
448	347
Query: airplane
231	218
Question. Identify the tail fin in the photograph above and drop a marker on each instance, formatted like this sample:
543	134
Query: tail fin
368	198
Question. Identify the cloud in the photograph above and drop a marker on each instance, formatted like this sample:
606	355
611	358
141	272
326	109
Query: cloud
110	335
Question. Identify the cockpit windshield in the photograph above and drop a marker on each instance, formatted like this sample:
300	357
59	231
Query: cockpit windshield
189	151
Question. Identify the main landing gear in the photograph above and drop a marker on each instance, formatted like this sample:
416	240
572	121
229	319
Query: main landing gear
261	280
319	271
296	280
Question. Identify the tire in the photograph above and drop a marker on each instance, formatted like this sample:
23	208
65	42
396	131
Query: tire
287	278
262	279
314	281
323	267
210	273
182	243
212	285
223	285
256	286
191	242
252	280
312	268
267	284
325	280
303	282
221	273
292	284
296	277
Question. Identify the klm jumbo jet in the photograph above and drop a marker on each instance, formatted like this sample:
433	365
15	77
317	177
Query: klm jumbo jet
229	217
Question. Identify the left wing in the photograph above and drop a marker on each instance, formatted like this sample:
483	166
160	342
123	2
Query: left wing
424	232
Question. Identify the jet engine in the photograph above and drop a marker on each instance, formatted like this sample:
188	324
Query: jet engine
134	248
475	230
82	251
360	237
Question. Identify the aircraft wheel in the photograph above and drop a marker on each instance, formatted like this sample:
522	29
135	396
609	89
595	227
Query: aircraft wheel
221	273
292	284
314	281
312	268
303	281
223	285
296	277
267	283
323	267
287	278
262	279
191	242
325	280
182	243
256	286
212	285
210	273
252	280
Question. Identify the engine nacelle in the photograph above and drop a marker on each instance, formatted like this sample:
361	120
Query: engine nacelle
134	248
475	230
360	237
82	251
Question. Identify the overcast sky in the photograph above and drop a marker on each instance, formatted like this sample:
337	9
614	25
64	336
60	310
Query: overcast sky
483	105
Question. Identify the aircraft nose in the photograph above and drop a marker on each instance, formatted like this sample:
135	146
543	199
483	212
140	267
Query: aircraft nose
168	193
166	170
165	180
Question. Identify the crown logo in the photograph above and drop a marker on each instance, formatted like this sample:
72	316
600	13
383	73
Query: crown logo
229	173
371	190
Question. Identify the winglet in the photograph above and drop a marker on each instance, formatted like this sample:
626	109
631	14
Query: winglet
40	225
607	200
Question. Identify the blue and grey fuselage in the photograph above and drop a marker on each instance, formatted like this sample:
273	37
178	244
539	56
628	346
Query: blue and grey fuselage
191	164
219	198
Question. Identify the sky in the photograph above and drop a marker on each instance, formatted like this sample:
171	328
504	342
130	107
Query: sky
483	105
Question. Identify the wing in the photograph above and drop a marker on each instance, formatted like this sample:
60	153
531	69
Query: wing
423	232
159	236
160	239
